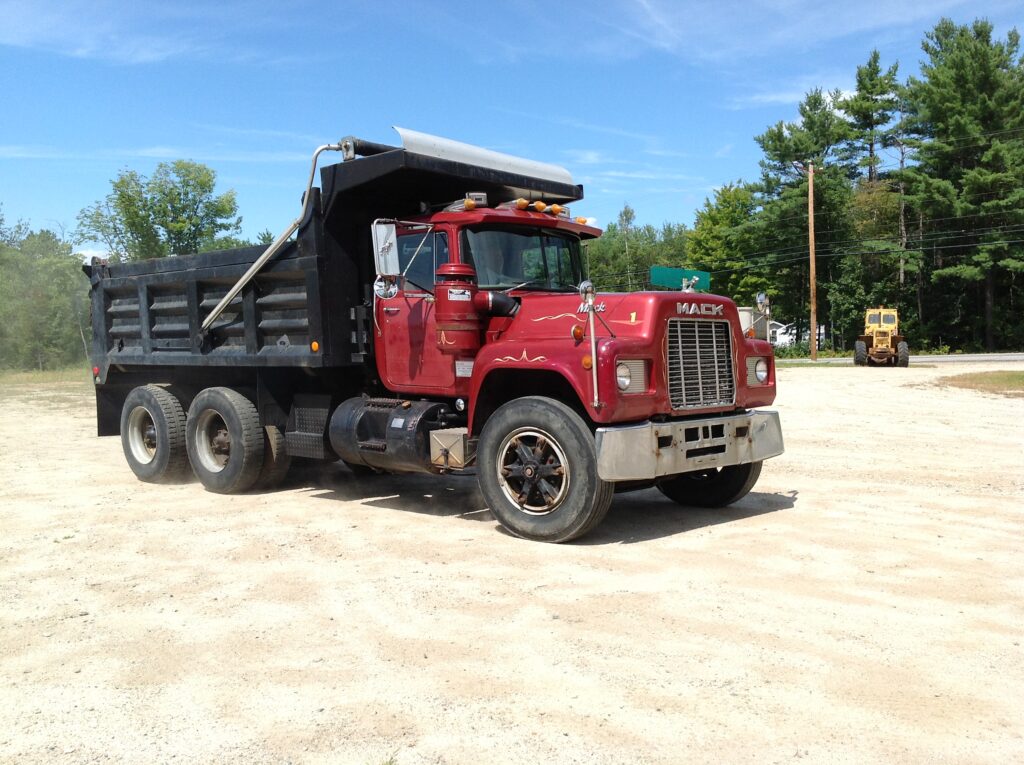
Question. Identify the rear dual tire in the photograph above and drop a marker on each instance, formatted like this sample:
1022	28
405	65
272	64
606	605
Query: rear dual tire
224	440
153	435
276	460
220	438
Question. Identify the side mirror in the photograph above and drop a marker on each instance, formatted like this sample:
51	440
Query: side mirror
385	248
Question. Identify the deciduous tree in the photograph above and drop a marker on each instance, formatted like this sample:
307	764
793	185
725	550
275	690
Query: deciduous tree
174	212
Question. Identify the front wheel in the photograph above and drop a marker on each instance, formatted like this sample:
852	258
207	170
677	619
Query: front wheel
538	471
714	487
902	355
860	353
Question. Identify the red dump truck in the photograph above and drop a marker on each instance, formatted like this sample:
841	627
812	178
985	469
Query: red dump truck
428	312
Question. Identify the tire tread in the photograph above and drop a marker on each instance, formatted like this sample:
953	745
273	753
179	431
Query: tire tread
173	415
250	436
579	437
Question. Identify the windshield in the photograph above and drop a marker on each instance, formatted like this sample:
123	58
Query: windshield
516	256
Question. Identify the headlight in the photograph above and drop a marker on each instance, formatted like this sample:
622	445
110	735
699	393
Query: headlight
623	376
761	370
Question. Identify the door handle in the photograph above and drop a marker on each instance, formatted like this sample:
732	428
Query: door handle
391	311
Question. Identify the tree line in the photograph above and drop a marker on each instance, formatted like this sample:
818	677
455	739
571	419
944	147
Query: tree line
44	295
918	205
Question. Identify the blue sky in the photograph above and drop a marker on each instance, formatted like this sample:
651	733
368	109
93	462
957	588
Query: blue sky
649	102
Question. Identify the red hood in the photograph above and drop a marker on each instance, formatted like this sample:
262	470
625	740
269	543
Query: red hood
624	315
627	326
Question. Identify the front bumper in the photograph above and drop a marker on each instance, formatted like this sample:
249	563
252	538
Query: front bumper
651	449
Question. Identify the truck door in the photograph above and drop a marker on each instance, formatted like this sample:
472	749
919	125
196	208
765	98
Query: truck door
411	361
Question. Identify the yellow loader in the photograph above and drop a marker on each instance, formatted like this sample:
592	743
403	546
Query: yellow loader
881	342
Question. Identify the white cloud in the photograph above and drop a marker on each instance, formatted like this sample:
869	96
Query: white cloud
591	157
255	132
672	153
86	30
14	151
741	29
794	91
139	32
647	175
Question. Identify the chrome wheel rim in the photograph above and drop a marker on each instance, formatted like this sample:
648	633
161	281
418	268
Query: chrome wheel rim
212	441
142	435
533	472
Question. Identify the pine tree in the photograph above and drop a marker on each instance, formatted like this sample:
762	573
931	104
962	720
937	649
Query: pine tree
871	109
968	111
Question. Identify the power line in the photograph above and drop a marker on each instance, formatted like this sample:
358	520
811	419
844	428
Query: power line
928	236
770	262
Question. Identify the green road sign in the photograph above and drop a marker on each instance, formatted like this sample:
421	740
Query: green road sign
665	276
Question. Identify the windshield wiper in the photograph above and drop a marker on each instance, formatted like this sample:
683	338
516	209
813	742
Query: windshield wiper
524	284
539	284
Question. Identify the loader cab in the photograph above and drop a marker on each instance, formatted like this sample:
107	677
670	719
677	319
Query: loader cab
881	325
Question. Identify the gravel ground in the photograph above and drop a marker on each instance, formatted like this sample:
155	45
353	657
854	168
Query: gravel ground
864	604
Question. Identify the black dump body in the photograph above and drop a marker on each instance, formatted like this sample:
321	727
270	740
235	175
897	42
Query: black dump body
149	313
147	316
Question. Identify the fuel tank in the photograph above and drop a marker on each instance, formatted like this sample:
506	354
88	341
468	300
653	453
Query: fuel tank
386	434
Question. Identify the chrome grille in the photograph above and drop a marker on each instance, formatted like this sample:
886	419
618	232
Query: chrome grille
700	370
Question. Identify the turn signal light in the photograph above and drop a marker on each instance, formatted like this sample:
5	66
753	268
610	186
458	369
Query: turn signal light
314	346
577	333
750	331
588	362
95	371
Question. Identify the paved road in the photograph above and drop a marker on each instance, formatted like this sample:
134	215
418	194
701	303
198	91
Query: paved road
952	358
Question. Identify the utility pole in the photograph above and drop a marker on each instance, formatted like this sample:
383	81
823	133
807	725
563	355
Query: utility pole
810	240
629	263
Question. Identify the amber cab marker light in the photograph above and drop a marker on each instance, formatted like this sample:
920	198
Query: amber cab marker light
314	346
556	209
577	333
588	362
581	220
539	206
470	203
521	204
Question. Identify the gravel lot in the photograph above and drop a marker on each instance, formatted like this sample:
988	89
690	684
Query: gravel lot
864	604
